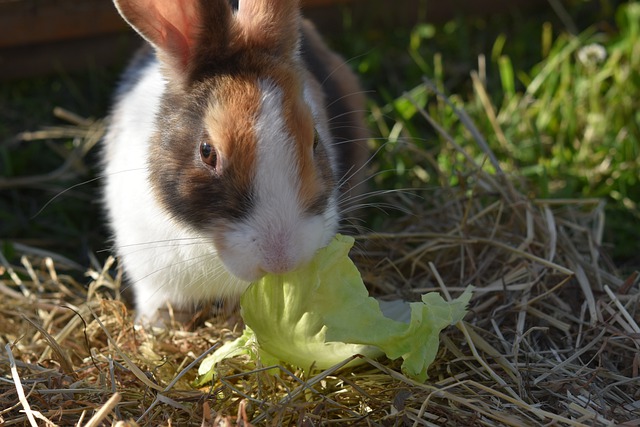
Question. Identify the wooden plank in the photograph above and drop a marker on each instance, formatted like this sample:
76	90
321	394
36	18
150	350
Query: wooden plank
32	22
40	37
66	56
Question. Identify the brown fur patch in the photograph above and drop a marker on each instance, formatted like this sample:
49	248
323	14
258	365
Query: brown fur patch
230	123
300	125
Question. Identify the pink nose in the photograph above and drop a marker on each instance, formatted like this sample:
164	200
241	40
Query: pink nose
277	263
277	257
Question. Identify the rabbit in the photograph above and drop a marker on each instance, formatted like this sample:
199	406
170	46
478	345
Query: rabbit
234	139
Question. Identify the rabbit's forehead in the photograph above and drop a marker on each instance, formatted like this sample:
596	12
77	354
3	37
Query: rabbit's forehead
282	171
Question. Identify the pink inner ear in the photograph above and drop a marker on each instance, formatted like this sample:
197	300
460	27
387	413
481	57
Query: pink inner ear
170	25
174	43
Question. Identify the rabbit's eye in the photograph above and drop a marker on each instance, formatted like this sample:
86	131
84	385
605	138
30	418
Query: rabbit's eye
208	154
316	139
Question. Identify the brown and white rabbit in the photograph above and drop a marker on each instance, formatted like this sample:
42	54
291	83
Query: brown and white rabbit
228	149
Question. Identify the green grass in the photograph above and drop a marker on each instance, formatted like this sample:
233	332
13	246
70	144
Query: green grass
563	120
567	128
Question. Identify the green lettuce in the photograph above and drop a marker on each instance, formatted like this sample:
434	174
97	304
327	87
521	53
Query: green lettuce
322	314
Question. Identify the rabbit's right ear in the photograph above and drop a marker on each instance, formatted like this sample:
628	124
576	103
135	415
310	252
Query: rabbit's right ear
173	27
270	25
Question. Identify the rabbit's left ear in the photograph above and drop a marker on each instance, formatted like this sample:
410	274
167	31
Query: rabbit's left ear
178	29
269	25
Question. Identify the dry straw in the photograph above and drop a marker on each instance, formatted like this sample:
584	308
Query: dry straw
551	338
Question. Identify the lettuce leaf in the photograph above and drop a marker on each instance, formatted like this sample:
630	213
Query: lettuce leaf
322	314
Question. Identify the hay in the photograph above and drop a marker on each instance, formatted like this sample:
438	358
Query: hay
552	336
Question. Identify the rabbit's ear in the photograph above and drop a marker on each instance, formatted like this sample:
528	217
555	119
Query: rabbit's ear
174	27
270	25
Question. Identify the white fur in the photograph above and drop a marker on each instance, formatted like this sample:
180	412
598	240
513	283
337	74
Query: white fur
164	261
